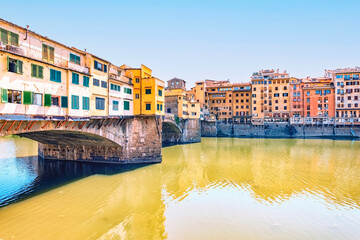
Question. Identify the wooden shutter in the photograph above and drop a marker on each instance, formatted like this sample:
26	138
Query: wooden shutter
51	54
19	67
52	75
4	36
14	39
47	100
45	52
58	76
8	62
28	97
4	95
64	102
33	70
40	72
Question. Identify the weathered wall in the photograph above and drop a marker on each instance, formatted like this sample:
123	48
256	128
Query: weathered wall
187	131
208	129
276	130
191	131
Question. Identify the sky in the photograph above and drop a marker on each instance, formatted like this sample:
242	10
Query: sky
203	39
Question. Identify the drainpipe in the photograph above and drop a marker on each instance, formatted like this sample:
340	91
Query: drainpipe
27	30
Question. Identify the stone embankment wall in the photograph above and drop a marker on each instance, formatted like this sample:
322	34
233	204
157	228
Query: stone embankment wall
187	131
276	130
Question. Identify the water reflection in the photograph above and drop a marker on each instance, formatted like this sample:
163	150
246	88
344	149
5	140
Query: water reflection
22	176
217	189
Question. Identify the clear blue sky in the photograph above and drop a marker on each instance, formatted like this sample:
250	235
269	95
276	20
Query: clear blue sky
195	39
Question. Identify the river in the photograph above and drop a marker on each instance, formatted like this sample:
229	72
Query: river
221	188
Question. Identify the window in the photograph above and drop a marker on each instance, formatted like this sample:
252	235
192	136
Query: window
55	101
100	103
86	81
86	103
8	37
126	105
100	67
137	80
115	105
64	102
148	106
11	96
276	95
15	66
55	76
160	92
74	102
75	78
148	91
48	53
137	96
103	84
74	58
37	71
96	82
285	94
115	87
127	90
37	99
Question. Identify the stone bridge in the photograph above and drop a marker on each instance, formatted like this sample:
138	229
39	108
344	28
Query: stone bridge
177	130
112	139
116	140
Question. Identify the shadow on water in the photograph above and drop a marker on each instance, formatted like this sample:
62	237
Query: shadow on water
25	177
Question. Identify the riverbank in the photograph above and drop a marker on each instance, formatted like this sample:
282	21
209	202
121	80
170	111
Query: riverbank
278	130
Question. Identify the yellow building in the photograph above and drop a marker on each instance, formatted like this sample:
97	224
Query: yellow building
99	99
148	91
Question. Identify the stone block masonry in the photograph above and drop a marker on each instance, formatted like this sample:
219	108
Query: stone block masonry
276	130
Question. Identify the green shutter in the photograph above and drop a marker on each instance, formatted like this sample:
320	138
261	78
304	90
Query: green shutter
4	36
86	103
14	39
4	95
126	105
40	71
58	76
52	75
64	102
19	67
8	62
33	70
47	100
28	97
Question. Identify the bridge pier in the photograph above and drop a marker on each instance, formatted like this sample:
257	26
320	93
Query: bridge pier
186	131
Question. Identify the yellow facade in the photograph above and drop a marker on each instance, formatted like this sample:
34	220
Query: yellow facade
148	91
99	99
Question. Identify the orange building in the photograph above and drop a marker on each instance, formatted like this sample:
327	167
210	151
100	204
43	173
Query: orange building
270	95
313	99
319	98
241	99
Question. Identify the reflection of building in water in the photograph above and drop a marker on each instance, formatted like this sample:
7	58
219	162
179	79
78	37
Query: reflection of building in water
274	170
133	204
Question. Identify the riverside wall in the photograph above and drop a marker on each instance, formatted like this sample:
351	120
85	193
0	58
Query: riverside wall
214	129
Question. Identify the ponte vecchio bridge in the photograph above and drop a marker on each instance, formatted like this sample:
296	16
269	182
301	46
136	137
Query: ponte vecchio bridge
112	140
